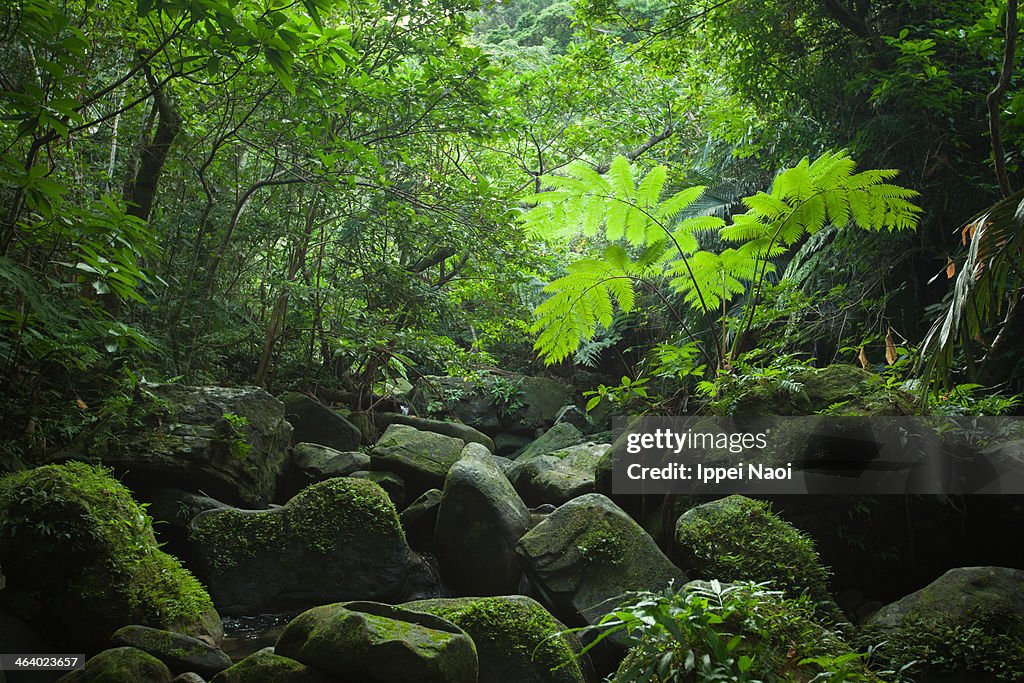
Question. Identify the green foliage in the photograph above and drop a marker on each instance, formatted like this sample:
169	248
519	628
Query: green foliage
737	633
625	394
803	199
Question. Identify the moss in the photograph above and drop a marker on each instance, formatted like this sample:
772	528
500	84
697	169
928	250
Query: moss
500	625
320	518
740	539
600	544
74	535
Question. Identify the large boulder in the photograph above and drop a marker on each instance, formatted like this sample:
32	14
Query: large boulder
375	643
265	666
588	553
420	518
478	524
740	539
73	536
421	458
312	462
494	403
336	540
516	639
230	443
316	423
966	626
179	652
558	437
558	477
455	430
120	665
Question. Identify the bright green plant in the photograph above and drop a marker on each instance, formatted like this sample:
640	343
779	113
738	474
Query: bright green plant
635	218
710	632
627	392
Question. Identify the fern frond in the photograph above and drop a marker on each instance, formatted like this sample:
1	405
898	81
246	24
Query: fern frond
649	189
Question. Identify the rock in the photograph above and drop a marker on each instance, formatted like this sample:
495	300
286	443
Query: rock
588	553
376	643
558	477
455	430
494	403
392	484
740	539
230	443
316	423
975	612
558	437
265	666
74	536
311	462
120	665
571	414
479	521
422	459
189	677
338	539
516	639
180	653
504	464
419	519
860	393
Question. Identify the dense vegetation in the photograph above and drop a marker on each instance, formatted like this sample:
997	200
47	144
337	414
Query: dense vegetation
330	193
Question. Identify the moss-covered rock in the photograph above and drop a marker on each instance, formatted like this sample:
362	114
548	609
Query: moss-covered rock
559	476
73	536
420	518
230	442
392	484
337	540
120	665
967	625
740	539
455	430
265	666
478	524
312	462
421	458
375	643
179	652
558	437
588	553
516	639
840	388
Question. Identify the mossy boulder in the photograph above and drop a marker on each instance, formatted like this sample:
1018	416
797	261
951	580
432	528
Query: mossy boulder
559	476
967	625
392	484
845	389
376	643
265	666
73	535
558	437
740	539
312	462
516	639
494	403
455	430
179	652
479	521
588	553
421	458
229	442
336	540
314	422
120	665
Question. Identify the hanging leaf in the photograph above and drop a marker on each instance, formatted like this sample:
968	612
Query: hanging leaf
950	268
890	348
863	359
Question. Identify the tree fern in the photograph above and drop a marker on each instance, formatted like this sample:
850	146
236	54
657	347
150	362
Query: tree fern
802	201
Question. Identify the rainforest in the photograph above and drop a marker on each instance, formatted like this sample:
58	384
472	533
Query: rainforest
328	327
